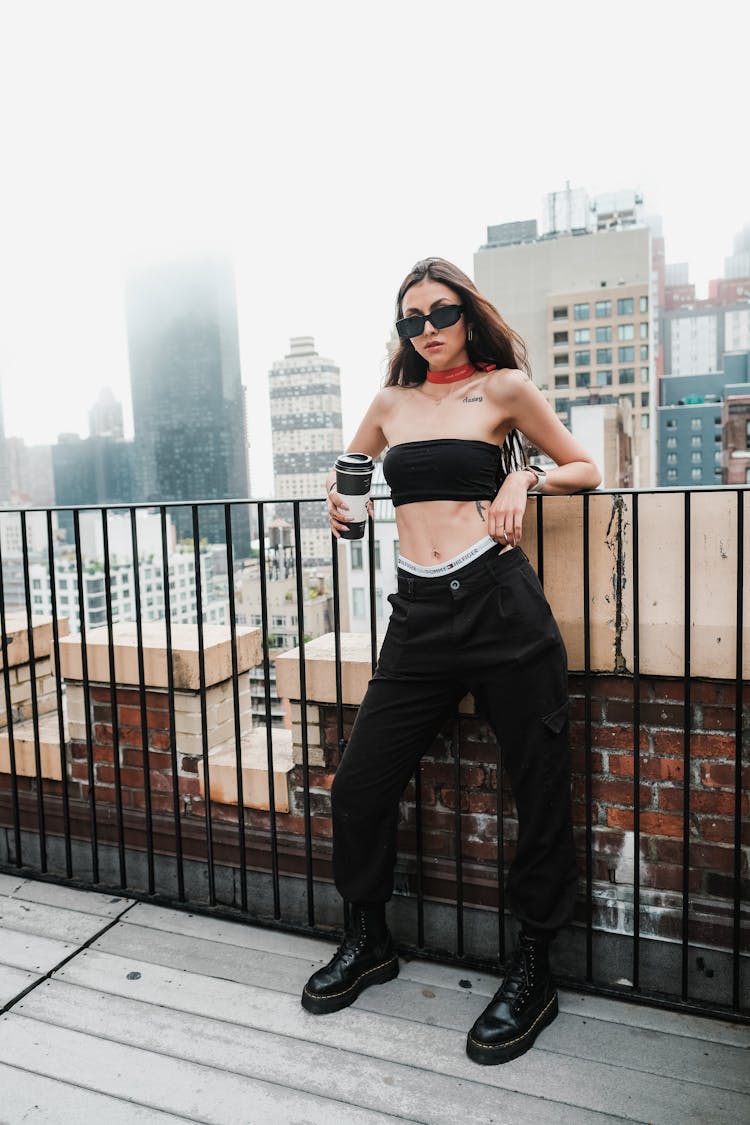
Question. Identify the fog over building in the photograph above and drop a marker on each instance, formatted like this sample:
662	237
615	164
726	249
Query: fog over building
188	404
305	394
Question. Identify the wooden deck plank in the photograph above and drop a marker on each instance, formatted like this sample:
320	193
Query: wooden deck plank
27	1096
187	1089
13	981
32	952
60	924
67	898
433	1048
389	1086
246	936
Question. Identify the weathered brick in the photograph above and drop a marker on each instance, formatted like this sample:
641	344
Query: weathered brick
720	830
662	769
714	802
618	792
722	775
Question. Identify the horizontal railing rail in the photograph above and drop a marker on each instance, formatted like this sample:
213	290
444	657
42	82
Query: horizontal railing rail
141	752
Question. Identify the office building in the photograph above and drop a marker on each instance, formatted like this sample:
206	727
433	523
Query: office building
305	394
580	296
188	404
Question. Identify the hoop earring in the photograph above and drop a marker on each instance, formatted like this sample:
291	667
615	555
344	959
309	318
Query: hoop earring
470	335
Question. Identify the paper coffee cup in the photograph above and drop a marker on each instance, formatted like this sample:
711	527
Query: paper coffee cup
353	481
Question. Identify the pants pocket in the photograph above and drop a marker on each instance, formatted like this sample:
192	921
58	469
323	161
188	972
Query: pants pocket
556	750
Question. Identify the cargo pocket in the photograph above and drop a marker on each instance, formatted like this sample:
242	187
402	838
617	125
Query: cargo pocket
556	752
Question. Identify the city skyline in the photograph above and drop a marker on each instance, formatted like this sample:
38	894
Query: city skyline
123	175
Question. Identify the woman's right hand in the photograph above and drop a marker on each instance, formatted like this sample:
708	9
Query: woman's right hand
334	502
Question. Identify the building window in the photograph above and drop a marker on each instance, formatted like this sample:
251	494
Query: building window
603	355
356	556
630	399
561	360
583	359
696	424
604	334
671	443
625	306
644	398
358	603
671	474
560	338
582	336
696	474
626	332
582	311
644	352
560	312
643	304
562	380
643	330
644	374
604	378
696	457
626	354
561	405
377	554
627	374
671	458
696	440
747	434
644	421
583	378
603	308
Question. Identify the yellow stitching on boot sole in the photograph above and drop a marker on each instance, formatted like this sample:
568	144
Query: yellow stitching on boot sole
333	995
518	1038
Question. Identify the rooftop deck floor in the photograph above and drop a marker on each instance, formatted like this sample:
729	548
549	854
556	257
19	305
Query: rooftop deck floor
135	1013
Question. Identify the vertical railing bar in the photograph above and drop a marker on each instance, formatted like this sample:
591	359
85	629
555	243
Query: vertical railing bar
459	840
637	752
113	700
41	830
738	726
167	599
500	828
337	643
587	735
418	825
59	692
687	721
86	694
540	538
203	707
303	711
142	700
236	701
373	606
267	702
9	721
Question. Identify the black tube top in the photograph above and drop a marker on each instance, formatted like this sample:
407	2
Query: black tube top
443	469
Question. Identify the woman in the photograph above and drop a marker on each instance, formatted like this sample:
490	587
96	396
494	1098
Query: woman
469	615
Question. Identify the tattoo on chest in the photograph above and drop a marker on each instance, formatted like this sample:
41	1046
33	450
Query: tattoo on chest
472	398
480	510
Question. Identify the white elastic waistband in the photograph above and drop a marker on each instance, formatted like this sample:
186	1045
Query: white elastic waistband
465	557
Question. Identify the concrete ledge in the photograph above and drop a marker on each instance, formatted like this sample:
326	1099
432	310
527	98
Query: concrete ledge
185	665
23	745
255	789
16	627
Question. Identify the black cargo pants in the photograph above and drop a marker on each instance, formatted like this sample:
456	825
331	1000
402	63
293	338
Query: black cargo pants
488	629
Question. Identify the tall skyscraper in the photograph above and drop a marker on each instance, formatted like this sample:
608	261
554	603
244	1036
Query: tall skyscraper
580	296
305	394
188	407
105	416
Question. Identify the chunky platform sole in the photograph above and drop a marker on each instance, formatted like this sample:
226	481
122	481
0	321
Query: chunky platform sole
490	1054
335	1001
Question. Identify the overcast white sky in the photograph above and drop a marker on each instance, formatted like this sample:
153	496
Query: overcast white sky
324	147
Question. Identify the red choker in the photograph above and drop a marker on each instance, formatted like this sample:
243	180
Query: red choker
451	376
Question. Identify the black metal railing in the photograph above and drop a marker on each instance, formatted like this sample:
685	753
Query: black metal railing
274	867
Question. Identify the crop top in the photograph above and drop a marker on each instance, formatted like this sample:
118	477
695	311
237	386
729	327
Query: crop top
443	469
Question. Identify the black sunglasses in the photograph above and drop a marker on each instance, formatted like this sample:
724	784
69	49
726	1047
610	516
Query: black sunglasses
442	317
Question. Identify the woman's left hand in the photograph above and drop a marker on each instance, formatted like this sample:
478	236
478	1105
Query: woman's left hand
505	517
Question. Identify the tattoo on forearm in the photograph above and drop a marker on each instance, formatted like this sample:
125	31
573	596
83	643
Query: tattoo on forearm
480	510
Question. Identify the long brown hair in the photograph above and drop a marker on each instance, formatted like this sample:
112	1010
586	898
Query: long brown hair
493	341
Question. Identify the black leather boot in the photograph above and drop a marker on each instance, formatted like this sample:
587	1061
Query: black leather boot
523	1005
365	957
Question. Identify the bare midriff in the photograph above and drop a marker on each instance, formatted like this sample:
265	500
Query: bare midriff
433	531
